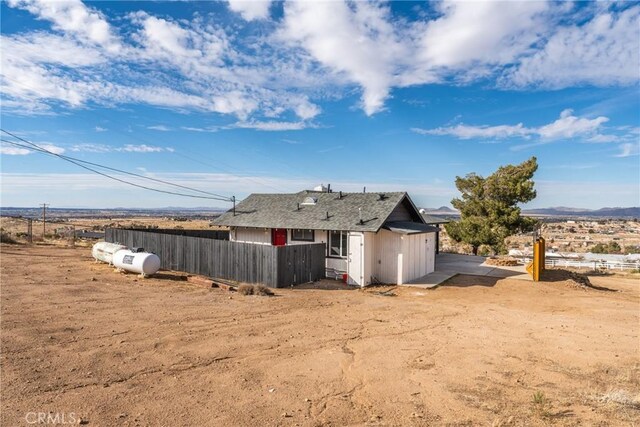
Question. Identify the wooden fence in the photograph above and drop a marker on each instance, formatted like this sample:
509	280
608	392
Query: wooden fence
207	234
274	266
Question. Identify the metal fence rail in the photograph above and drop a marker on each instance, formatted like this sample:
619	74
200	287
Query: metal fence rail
274	266
594	265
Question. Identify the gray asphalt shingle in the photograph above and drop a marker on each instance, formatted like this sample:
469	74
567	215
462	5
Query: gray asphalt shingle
284	211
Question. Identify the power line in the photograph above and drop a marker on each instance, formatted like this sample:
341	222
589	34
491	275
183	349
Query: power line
38	148
78	163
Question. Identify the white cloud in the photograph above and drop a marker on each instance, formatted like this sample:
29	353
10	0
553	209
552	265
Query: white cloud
74	18
468	132
46	48
250	9
18	151
100	129
128	148
355	39
91	148
14	151
567	126
198	129
603	138
51	148
272	126
318	51
603	51
629	149
485	32
161	128
142	148
306	110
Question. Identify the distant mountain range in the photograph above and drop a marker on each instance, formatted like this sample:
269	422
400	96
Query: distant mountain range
560	211
444	211
633	212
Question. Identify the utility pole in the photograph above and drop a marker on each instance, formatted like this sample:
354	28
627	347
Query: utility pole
44	218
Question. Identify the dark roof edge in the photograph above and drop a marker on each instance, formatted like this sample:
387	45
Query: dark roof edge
404	196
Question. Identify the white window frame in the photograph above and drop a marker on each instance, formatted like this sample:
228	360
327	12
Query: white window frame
343	243
294	238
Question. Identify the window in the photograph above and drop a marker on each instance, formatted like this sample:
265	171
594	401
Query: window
338	244
304	235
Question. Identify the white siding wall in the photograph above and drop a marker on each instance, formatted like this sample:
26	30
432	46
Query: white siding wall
418	255
369	257
387	257
400	258
261	236
387	247
320	236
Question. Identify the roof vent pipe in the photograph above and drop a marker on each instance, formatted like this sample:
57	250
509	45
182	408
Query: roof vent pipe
360	215
327	214
364	190
328	188
340	195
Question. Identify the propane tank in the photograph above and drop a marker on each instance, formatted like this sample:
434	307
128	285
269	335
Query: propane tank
143	263
103	251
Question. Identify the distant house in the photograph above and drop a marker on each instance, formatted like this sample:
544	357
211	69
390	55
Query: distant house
370	237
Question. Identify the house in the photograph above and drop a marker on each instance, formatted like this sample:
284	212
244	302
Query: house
369	237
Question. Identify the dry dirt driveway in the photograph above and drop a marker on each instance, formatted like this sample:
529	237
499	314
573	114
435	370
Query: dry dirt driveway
113	349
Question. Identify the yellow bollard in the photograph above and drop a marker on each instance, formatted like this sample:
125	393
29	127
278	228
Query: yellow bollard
536	261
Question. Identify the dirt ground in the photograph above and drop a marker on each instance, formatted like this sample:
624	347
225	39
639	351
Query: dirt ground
82	341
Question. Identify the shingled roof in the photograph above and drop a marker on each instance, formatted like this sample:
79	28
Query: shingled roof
331	211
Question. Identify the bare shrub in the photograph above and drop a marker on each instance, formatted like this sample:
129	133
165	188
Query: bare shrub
6	237
260	290
245	289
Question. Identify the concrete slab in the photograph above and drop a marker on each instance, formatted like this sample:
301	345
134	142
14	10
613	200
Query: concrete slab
448	265
476	266
431	280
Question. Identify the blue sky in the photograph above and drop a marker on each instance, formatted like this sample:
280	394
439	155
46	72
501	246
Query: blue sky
239	97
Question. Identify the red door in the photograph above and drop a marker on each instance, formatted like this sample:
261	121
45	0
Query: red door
278	236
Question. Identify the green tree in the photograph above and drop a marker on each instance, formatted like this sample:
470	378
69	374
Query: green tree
488	206
609	248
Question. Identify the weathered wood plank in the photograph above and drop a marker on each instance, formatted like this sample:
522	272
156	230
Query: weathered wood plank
274	266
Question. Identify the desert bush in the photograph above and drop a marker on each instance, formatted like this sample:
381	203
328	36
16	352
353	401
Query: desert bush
261	290
254	290
541	404
632	249
245	289
610	248
6	237
484	250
